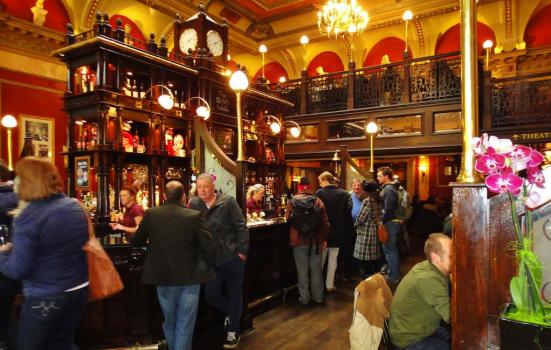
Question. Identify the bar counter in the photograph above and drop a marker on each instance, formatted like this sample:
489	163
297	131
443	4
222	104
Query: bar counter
134	316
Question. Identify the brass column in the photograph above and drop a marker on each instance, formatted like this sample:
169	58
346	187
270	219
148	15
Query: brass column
239	127
469	90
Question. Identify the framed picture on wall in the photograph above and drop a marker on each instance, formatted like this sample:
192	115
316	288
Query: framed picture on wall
41	131
224	137
82	173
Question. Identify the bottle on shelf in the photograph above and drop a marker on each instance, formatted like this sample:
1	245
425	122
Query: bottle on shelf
141	146
135	141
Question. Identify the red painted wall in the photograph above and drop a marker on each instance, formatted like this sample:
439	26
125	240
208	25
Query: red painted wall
57	17
24	94
134	32
451	40
330	61
392	46
272	71
538	31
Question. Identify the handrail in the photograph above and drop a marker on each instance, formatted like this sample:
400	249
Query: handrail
202	132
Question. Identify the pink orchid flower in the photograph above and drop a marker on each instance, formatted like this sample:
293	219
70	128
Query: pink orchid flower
519	156
535	176
479	144
536	158
506	181
490	163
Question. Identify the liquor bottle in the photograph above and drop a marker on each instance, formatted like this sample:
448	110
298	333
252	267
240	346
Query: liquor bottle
141	146
135	141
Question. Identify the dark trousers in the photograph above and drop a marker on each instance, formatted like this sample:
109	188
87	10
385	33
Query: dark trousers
8	290
229	274
439	340
50	322
368	267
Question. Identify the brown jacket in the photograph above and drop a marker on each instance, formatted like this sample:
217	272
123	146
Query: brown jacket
295	238
374	300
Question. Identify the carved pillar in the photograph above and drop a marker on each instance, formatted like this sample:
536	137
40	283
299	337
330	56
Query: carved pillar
470	287
303	87
102	211
118	129
351	79
406	79
103	116
487	100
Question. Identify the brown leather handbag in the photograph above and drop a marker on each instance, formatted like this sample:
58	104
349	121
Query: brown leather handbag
382	233
104	278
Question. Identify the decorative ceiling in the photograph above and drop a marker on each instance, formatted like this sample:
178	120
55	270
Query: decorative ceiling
267	10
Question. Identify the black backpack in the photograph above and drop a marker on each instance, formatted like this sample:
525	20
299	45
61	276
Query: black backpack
305	215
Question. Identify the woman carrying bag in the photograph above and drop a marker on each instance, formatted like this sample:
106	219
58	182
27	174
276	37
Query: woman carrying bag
47	256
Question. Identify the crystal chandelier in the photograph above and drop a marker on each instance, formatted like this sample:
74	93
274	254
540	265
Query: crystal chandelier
342	17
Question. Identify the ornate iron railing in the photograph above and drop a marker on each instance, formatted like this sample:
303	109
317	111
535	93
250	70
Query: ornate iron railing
378	86
436	78
521	101
328	92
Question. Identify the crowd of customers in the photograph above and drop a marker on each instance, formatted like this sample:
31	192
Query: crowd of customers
205	243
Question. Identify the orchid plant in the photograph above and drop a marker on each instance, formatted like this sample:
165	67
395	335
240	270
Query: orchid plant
515	170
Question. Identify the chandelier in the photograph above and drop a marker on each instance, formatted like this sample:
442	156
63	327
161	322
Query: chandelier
342	17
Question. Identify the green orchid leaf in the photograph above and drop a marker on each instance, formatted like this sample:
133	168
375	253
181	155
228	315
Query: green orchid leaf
518	287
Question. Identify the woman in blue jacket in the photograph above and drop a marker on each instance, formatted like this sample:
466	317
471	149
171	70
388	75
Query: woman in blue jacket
47	256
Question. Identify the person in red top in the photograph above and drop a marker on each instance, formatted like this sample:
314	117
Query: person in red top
255	195
307	249
133	213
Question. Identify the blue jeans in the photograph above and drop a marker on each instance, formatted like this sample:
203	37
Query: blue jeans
390	248
179	304
439	340
308	270
50	322
231	304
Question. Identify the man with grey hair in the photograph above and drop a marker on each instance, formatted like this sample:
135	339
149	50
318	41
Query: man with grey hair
229	228
180	256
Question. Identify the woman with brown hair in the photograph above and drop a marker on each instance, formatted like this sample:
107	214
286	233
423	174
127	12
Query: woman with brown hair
47	256
133	212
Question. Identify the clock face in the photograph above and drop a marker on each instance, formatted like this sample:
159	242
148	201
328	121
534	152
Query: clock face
188	40
215	43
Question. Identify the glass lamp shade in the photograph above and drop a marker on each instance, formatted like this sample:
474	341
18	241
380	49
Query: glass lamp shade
203	112
9	121
372	128
262	49
408	15
275	127
304	40
487	44
295	131
239	81
166	101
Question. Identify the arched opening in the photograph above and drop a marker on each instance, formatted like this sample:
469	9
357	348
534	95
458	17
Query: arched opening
450	41
391	46
538	31
56	18
273	71
329	62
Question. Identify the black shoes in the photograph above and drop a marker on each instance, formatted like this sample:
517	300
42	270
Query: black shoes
232	340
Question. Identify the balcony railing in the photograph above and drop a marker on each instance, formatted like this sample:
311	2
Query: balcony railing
521	101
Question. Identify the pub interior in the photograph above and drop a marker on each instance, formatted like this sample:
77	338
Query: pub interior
141	93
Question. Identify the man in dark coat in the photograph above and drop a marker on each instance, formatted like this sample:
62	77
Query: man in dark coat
229	229
180	256
338	205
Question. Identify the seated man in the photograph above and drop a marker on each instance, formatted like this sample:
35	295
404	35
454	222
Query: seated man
422	300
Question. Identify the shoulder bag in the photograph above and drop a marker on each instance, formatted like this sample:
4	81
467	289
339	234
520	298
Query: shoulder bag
104	278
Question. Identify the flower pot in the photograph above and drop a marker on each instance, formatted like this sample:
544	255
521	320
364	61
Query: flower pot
518	335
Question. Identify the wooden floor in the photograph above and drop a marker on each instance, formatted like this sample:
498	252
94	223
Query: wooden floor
294	327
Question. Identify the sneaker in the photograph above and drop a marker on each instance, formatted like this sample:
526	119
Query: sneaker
227	323
232	339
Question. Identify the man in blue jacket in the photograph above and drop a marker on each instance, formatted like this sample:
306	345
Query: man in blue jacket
231	235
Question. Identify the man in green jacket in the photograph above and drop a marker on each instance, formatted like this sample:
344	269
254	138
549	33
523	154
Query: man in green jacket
422	300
